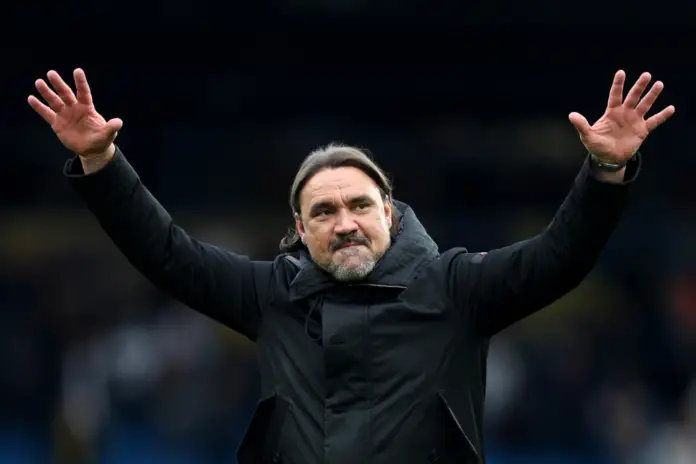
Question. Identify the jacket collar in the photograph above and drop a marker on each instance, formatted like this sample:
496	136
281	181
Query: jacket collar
410	251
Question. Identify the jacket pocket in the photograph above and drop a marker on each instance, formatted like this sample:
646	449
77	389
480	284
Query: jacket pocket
457	444
261	442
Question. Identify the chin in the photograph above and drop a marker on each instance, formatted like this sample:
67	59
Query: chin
345	272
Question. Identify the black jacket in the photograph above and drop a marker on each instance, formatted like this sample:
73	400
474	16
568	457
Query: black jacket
388	371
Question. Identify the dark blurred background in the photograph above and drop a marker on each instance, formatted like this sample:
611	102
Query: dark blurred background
465	105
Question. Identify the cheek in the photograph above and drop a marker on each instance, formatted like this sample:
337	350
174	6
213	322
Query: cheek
378	230
317	238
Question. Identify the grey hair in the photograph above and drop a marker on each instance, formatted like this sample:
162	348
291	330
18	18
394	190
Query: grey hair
333	155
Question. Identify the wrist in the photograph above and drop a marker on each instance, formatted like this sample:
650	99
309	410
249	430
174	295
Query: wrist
108	153
96	161
606	165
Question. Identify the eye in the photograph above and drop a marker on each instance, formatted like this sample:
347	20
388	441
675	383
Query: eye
362	206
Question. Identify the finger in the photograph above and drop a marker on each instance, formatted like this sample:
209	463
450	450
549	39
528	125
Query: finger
580	123
84	94
637	90
616	91
113	126
647	102
62	89
656	120
53	100
44	111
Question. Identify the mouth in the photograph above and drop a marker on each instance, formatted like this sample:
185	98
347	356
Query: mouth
348	245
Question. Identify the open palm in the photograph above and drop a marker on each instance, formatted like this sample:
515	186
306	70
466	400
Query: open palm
73	117
619	133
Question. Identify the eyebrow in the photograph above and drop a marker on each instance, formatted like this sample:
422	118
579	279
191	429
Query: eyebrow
317	207
330	206
361	199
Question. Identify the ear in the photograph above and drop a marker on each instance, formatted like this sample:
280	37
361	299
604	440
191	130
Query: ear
299	226
388	208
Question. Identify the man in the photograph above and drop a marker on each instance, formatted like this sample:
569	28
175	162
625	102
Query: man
372	345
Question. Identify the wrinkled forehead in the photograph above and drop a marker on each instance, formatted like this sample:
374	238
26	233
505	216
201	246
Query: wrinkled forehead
338	185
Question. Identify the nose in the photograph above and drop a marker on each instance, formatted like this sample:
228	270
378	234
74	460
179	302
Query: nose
345	223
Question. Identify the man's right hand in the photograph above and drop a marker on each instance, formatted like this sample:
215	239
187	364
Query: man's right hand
75	120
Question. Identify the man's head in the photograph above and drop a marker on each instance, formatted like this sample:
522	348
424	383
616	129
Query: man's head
342	202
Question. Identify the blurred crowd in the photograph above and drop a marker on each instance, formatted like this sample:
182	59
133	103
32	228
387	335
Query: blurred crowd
96	365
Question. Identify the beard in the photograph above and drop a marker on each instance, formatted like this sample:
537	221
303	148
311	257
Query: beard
357	263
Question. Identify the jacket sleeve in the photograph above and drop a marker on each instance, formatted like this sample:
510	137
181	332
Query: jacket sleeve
222	285
502	286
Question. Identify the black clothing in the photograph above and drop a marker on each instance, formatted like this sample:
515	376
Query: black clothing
391	370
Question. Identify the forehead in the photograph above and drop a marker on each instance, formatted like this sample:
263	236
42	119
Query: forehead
339	183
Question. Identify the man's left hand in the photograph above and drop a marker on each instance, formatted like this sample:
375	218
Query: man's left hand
618	134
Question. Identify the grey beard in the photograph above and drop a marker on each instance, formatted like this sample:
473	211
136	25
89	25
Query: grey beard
351	274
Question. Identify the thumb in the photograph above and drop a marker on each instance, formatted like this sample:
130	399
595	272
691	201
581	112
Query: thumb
580	123
112	127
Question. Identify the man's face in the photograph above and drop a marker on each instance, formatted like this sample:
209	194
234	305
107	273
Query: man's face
344	222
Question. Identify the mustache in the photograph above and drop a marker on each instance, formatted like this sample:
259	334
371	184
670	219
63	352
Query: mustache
353	238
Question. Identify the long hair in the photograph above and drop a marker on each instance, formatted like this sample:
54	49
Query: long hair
334	155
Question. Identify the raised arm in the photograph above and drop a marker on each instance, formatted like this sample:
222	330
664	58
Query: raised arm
500	287
225	286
